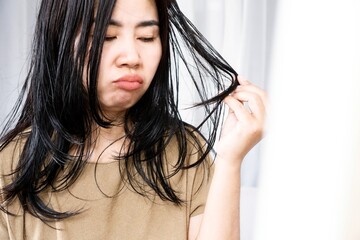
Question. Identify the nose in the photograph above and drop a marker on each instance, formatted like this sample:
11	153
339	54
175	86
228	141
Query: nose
128	54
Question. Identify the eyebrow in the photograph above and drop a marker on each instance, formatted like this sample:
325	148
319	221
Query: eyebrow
148	23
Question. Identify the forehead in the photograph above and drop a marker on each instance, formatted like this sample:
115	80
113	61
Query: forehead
135	10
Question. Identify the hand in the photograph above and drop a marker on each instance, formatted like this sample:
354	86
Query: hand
244	125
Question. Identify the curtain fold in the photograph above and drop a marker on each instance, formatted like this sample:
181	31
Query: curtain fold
17	19
241	30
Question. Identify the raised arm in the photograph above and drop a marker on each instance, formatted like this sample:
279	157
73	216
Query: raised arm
242	130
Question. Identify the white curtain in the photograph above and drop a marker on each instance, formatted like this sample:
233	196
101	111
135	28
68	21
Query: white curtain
17	18
241	30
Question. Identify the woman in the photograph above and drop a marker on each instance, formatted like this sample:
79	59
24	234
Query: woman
99	150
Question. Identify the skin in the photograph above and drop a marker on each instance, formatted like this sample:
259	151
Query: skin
130	49
134	50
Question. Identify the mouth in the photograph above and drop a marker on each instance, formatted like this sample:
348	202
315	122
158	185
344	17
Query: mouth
129	82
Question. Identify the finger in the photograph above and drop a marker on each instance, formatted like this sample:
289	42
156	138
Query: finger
254	102
253	89
242	80
237	108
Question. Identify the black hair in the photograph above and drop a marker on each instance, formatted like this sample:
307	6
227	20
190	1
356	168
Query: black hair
60	110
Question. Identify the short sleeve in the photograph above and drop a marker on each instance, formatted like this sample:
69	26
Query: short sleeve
9	157
3	229
200	187
3	226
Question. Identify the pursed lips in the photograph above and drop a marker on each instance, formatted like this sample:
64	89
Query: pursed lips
129	82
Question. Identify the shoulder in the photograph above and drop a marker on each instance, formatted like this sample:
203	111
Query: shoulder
192	175
190	138
11	151
190	146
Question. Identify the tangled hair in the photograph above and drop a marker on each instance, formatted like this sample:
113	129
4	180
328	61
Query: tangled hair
60	110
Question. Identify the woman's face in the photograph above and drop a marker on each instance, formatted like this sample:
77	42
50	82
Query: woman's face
130	56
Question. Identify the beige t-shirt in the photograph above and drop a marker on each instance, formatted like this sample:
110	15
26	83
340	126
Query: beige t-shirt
109	208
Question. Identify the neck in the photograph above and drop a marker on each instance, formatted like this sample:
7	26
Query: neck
109	134
107	143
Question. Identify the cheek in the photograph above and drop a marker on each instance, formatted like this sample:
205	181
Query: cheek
154	57
104	66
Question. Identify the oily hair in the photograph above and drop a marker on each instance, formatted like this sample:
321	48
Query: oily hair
60	110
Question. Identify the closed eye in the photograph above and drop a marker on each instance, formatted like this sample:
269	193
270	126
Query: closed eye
110	38
147	39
